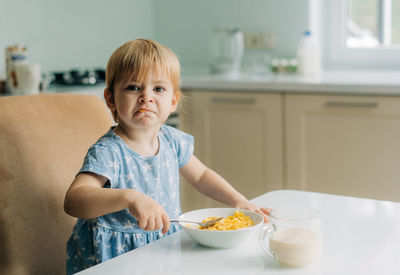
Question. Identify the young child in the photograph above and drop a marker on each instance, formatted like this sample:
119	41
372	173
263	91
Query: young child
128	187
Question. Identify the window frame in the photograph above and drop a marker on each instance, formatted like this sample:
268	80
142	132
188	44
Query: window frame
338	56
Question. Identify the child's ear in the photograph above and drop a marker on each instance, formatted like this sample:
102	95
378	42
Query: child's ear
109	98
175	101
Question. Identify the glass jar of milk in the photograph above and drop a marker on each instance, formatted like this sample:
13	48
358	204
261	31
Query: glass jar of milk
293	236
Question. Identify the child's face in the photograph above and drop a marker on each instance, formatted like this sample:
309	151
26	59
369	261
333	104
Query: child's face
146	104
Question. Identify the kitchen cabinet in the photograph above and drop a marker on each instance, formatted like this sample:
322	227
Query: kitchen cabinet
348	145
338	144
238	135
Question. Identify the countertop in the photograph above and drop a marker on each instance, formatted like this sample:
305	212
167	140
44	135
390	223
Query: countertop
377	83
360	236
335	82
97	89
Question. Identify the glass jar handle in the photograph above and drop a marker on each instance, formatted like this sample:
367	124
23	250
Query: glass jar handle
265	234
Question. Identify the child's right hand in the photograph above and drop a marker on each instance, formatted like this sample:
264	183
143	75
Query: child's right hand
149	214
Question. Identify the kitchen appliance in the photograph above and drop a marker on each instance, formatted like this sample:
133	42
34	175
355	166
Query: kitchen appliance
228	49
77	77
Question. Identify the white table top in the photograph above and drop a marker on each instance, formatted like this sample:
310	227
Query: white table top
360	236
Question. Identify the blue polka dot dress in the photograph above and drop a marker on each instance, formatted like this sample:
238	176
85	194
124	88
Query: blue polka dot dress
96	240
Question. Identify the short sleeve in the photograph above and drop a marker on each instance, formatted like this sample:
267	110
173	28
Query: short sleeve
101	160
183	143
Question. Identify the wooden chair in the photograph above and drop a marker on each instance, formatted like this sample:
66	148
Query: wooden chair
43	140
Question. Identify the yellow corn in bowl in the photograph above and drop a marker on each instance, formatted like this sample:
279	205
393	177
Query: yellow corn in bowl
237	227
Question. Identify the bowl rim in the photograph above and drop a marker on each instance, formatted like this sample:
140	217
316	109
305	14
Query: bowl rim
222	231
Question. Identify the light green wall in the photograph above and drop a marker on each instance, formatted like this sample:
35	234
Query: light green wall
66	34
186	26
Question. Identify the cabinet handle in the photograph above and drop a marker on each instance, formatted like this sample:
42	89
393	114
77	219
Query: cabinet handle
352	104
234	100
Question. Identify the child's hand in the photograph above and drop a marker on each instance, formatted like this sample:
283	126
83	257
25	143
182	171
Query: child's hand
264	211
149	214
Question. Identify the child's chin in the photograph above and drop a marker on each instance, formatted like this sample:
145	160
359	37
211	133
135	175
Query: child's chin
148	123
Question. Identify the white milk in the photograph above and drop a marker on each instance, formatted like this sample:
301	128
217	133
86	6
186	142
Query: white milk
296	246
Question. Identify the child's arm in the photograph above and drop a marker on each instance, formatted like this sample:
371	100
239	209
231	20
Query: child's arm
214	186
87	199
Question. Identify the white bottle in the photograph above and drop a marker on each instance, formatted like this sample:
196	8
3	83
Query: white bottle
309	56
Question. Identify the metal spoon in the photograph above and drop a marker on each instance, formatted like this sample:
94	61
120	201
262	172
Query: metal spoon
202	224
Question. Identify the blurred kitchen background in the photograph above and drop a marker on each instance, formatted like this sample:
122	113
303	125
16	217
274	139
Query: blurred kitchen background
335	133
63	35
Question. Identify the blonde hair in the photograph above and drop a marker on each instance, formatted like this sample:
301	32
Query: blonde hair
134	59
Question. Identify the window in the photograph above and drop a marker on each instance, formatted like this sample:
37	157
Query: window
373	23
360	34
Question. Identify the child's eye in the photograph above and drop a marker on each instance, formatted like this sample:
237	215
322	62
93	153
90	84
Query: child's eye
159	89
133	88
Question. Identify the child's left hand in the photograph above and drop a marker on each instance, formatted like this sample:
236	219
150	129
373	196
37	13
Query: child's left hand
264	211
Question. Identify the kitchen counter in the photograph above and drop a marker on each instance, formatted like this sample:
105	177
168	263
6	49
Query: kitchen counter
382	83
330	82
96	89
360	236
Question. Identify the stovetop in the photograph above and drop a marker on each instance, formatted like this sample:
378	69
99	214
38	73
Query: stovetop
77	77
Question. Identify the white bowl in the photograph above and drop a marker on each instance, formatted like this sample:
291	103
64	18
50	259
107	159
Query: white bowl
219	239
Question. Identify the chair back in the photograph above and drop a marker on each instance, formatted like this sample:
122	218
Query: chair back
43	141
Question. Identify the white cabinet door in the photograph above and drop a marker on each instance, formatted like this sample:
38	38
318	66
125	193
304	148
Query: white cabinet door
239	136
344	145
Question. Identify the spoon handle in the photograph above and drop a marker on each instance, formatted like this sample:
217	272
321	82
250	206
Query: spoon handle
173	220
